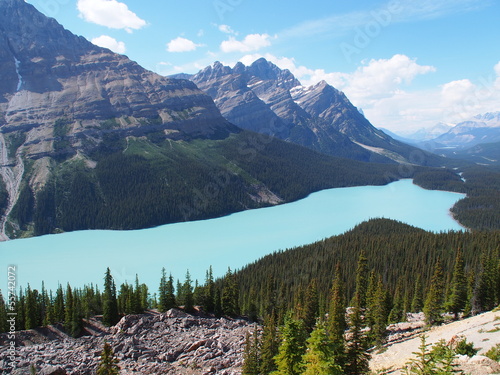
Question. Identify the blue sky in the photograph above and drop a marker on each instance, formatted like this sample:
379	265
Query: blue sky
407	63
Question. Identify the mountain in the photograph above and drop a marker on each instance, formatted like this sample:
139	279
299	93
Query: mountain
266	99
427	134
90	139
398	137
484	128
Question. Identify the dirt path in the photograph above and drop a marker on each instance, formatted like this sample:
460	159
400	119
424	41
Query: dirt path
12	176
479	330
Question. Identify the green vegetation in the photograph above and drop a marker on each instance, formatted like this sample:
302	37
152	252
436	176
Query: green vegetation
438	359
494	353
480	210
108	364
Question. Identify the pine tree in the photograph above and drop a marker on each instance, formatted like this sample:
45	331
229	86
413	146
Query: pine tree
230	294
397	312
110	305
209	292
292	348
357	356
188	293
310	309
319	358
269	346
3	315
378	330
417	302
485	295
435	296
458	298
361	281
108	364
69	311
30	311
336	323
471	279
251	354
59	307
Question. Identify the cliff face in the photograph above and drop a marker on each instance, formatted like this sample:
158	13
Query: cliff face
47	73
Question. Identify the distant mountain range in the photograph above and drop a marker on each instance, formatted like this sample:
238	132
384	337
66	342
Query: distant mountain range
266	99
474	140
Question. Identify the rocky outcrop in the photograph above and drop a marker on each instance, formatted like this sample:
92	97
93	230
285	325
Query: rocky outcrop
170	343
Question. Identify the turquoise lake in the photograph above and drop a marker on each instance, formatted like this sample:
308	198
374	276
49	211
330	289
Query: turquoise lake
231	241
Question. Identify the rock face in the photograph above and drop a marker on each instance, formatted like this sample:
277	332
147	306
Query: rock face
48	73
170	343
263	98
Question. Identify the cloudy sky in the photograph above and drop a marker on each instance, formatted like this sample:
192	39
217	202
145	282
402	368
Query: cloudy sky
407	63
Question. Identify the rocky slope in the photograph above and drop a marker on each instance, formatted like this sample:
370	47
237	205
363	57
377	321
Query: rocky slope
264	98
481	330
170	343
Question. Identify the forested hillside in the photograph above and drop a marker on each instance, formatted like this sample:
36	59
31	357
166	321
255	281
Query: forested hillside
138	182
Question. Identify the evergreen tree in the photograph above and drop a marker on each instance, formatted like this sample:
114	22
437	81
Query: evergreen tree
435	296
319	358
110	305
230	294
471	279
251	355
171	302
361	281
336	323
417	302
458	298
378	331
209	292
59	308
3	315
485	295
397	312
188	293
292	348
357	356
310	309
371	298
162	292
30	311
108	364
269	346
69	310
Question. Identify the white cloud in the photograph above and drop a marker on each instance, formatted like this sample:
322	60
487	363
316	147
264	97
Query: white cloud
226	29
252	42
110	13
181	44
109	42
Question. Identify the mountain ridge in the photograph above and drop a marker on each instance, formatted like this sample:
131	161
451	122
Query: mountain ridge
264	98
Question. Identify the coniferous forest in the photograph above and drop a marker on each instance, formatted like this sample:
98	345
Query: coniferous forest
308	299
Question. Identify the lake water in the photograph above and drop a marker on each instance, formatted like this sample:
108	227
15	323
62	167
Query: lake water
231	241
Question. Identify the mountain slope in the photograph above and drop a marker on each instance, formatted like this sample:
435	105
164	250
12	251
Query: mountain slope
263	98
89	139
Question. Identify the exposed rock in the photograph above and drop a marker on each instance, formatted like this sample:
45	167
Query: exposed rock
170	343
478	365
